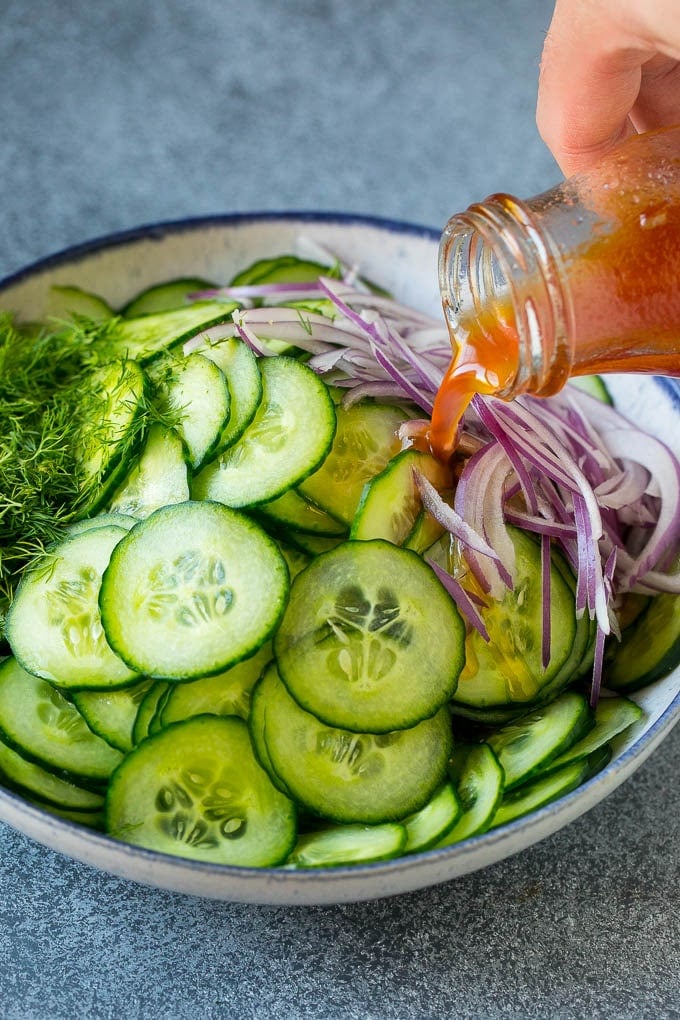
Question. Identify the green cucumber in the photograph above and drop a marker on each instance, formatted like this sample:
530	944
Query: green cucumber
348	844
287	439
525	746
191	590
195	390
158	478
544	789
390	502
370	639
196	790
54	625
478	780
349	776
427	827
65	302
145	336
239	365
508	669
365	441
38	722
166	296
112	714
649	647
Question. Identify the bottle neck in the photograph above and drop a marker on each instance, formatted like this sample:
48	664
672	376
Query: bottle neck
504	298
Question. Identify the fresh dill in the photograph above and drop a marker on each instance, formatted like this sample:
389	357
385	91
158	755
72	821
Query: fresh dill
54	411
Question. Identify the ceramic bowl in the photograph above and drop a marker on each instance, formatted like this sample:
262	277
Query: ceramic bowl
401	257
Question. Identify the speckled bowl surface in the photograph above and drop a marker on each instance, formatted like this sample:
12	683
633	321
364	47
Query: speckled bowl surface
401	257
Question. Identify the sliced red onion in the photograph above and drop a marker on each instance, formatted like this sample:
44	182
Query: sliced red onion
462	599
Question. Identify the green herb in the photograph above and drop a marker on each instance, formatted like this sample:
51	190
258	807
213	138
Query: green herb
52	408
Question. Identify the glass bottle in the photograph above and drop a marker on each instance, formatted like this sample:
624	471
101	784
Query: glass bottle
584	278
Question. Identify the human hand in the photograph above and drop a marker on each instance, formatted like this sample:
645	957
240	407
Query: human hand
609	68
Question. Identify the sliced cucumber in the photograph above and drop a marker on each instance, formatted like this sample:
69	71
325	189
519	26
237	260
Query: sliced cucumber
108	431
195	390
594	385
72	302
612	717
348	844
239	365
291	510
165	297
39	723
288	438
478	779
649	647
508	669
145	336
526	746
426	827
159	477
192	590
118	520
545	789
225	694
147	709
347	776
112	714
54	625
370	639
390	502
196	790
283	269
365	441
35	781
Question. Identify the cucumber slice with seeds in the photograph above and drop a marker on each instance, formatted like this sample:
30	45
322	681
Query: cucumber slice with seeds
37	721
196	790
288	438
192	590
54	625
347	776
370	639
365	441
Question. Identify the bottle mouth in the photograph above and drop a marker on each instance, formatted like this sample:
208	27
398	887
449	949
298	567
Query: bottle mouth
497	273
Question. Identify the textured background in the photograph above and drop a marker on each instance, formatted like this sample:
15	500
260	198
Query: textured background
122	113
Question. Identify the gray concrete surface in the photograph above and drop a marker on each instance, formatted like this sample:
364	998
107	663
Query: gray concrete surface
122	113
